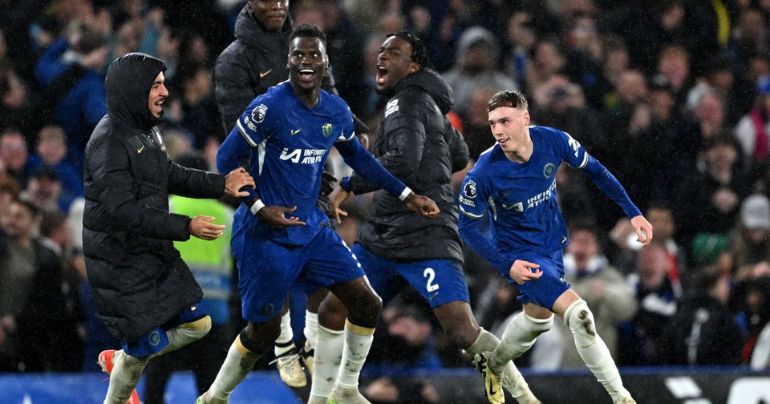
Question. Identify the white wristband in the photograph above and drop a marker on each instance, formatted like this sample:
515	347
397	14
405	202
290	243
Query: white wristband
256	206
404	194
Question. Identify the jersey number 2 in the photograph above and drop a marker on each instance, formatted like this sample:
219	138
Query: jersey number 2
430	275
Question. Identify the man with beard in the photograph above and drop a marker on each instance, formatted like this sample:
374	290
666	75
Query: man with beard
293	126
144	293
417	144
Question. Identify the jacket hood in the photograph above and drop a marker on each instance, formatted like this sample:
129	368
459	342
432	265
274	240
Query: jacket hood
472	36
429	81
248	30
127	88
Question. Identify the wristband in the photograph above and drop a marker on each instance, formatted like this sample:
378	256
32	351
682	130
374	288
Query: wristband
405	194
256	206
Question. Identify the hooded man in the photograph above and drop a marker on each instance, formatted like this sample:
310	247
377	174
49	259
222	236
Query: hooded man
143	291
416	144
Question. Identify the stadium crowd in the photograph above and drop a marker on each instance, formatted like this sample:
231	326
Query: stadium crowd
672	95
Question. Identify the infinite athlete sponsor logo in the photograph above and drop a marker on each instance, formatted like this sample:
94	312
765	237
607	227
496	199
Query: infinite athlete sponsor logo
303	156
541	197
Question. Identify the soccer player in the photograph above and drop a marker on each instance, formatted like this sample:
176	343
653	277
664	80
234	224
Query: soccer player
417	144
294	125
514	181
255	61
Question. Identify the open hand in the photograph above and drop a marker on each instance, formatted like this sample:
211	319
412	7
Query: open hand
337	197
422	205
522	271
279	216
204	228
237	179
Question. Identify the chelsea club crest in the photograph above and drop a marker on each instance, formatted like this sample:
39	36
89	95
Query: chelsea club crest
548	170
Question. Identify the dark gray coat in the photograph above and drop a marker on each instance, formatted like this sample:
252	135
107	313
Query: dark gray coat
416	143
139	281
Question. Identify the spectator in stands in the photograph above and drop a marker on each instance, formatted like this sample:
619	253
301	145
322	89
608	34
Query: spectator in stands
753	130
199	110
51	149
14	155
70	72
750	246
703	331
521	39
17	104
707	204
44	190
475	126
55	235
560	103
407	343
345	50
600	285
32	307
756	350
476	66
547	59
657	301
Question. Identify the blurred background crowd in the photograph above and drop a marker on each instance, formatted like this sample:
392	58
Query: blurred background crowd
673	96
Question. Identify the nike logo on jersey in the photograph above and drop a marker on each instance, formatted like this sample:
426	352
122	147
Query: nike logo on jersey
263	74
295	131
140	150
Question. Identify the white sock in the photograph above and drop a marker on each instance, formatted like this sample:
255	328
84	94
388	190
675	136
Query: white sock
358	341
592	349
285	341
311	329
513	381
237	365
520	334
125	375
326	363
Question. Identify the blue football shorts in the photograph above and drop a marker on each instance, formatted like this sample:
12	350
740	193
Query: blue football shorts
157	339
267	270
545	290
439	281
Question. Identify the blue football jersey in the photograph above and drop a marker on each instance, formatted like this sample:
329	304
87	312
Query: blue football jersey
289	145
521	197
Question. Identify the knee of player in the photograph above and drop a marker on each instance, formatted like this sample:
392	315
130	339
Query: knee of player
539	325
199	327
580	320
366	310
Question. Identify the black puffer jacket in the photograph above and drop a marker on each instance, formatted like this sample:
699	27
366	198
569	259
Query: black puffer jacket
251	64
416	143
139	281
